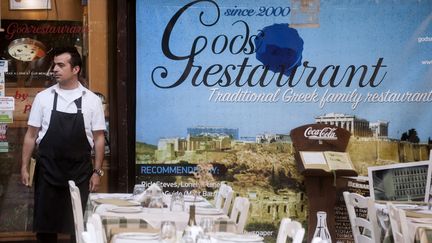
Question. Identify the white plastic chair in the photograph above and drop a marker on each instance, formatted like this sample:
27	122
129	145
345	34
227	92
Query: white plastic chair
239	213
292	229
86	237
77	211
224	198
89	236
100	236
370	233
398	224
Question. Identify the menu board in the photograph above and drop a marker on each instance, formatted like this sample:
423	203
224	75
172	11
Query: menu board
358	185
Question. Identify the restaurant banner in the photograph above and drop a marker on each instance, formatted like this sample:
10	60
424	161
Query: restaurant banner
27	46
224	82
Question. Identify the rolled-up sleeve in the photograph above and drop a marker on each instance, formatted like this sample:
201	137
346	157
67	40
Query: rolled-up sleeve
36	113
98	117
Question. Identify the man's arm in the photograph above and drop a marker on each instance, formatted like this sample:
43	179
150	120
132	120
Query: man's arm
99	148
28	147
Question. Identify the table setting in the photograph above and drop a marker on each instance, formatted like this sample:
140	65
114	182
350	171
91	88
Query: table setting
143	215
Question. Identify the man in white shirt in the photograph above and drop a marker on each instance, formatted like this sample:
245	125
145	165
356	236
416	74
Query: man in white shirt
66	121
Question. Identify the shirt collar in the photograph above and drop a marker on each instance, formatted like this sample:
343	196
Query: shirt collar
56	88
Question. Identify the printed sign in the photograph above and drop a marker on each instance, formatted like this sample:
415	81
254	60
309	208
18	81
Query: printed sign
3	66
6	116
233	88
7	103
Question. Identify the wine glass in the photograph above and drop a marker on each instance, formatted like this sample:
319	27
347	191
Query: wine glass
207	225
177	202
202	238
187	237
138	189
168	232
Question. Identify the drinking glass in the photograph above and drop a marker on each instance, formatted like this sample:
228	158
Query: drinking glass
156	202
177	202
138	189
168	233
202	238
187	237
207	225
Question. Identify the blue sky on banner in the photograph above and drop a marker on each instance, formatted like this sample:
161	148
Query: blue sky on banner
396	36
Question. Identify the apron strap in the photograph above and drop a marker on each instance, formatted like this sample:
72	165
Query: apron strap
55	101
78	104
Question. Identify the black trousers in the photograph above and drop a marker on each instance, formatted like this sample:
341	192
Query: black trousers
53	209
51	238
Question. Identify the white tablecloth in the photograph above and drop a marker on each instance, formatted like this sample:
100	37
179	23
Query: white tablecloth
147	218
237	238
154	216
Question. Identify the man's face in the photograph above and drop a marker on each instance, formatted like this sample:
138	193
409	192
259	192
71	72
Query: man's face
63	71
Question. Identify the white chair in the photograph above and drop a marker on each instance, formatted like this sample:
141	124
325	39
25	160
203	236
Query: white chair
77	211
369	225
224	198
89	236
86	237
292	229
239	213
96	221
398	224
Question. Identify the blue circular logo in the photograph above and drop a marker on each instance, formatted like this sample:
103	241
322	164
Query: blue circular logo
280	48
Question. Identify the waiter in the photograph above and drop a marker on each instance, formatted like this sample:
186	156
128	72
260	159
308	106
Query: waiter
66	121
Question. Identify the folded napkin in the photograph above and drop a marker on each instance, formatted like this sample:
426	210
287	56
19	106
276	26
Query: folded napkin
117	202
144	197
103	208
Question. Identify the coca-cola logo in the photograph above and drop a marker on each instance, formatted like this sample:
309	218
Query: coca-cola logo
326	133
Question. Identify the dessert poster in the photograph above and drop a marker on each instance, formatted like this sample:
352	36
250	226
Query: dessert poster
224	82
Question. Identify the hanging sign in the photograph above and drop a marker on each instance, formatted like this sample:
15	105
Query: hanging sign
7	103
3	66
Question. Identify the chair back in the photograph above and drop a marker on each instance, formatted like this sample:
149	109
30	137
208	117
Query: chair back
100	236
224	198
398	224
365	230
77	210
89	236
291	229
86	237
239	213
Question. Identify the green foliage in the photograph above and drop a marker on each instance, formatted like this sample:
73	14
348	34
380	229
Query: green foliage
144	148
410	136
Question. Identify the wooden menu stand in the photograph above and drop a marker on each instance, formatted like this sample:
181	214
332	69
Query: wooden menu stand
314	140
322	196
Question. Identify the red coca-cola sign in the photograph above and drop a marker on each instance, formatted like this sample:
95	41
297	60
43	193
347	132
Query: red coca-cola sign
320	137
326	133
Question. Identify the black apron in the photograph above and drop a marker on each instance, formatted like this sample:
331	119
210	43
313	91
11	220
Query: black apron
64	154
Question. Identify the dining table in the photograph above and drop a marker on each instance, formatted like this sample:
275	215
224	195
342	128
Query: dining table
123	218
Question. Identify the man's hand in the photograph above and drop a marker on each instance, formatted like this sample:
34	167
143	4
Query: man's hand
28	146
94	182
25	176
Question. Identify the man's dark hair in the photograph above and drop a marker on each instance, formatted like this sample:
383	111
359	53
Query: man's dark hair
75	59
